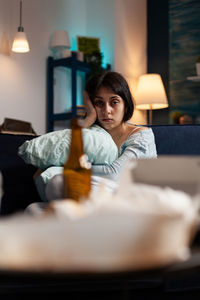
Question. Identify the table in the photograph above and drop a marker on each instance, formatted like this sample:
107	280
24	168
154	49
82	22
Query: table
157	282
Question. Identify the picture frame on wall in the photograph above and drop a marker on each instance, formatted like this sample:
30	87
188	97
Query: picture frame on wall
90	47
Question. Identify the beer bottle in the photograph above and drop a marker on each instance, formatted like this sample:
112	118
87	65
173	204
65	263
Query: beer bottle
77	169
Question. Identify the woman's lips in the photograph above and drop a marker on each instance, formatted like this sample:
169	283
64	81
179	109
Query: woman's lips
107	120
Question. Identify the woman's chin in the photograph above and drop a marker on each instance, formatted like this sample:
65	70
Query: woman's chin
107	126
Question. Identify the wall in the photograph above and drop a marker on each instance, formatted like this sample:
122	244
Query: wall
158	35
131	45
184	49
23	76
101	23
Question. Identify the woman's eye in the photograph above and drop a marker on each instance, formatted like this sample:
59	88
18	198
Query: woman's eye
115	102
98	103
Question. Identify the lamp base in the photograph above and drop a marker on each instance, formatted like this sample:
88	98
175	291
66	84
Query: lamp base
149	116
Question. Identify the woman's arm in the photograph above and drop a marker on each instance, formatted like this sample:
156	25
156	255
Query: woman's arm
90	111
138	145
37	173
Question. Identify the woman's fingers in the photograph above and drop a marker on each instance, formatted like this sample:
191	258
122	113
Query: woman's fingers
90	110
85	98
87	102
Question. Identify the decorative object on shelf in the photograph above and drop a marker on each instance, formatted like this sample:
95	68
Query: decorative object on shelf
13	126
150	94
197	119
181	118
194	78
20	43
186	119
198	66
66	53
59	43
90	47
79	55
175	116
80	111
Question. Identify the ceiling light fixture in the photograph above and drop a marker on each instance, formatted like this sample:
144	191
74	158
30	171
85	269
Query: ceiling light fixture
20	43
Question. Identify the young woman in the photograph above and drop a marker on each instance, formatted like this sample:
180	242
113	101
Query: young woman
109	103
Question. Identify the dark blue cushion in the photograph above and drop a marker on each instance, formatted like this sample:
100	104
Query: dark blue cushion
177	139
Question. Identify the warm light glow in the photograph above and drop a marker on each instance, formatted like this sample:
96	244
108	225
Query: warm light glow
150	93
20	44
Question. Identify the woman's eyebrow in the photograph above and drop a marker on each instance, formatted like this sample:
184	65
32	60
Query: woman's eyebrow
111	97
98	97
115	96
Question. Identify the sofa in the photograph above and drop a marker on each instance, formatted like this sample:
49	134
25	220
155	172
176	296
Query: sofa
18	185
19	192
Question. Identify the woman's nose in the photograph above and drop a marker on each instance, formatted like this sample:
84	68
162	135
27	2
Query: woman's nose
107	109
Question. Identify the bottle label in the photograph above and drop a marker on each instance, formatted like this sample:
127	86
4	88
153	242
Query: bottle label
84	163
77	183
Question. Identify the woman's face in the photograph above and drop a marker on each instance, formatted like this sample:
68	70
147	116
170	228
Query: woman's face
109	107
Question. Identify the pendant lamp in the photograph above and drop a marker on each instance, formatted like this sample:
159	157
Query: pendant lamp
20	43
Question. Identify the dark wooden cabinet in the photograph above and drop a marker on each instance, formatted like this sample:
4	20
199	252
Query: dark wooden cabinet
75	66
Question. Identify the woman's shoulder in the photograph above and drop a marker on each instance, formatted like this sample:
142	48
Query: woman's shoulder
140	134
136	128
142	140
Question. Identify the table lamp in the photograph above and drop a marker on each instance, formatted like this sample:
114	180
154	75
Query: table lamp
60	41
150	94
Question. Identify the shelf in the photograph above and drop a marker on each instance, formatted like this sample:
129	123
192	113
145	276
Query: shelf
75	66
69	62
194	78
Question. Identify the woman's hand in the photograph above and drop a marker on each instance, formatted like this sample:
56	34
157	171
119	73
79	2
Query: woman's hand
37	173
91	114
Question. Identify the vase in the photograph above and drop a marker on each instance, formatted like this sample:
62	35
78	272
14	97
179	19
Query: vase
198	69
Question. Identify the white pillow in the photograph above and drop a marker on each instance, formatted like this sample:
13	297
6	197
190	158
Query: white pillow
52	149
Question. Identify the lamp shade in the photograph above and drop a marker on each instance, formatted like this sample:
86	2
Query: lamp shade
150	93
20	43
60	38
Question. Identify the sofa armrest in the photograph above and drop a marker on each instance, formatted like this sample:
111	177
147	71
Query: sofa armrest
18	187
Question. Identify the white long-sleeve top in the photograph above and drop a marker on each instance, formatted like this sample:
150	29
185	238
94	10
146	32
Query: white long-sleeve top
138	145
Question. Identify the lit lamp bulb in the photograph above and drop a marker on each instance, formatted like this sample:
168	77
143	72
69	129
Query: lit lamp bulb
20	43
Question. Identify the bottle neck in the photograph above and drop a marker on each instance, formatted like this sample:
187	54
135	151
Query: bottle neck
76	142
76	145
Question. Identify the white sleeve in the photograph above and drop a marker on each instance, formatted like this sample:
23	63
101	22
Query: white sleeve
138	145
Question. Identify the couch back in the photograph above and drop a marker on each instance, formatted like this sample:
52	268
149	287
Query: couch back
177	139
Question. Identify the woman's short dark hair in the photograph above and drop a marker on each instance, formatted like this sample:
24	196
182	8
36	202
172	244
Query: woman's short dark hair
117	83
